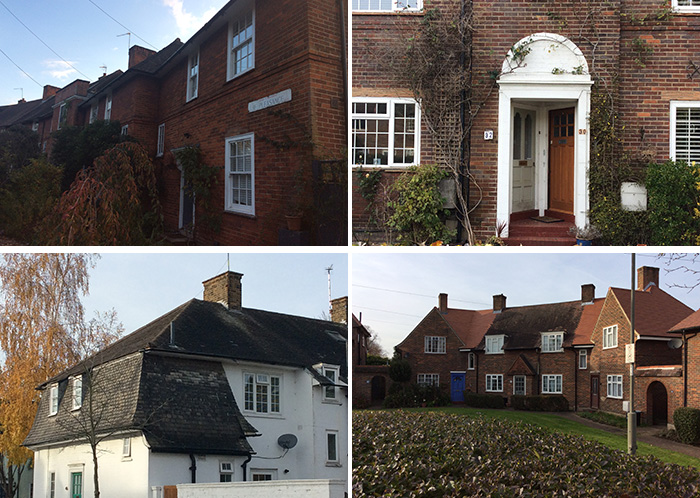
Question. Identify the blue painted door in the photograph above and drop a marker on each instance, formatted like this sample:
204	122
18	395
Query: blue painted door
457	387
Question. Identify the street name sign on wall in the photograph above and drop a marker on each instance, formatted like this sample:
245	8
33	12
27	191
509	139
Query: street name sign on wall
270	100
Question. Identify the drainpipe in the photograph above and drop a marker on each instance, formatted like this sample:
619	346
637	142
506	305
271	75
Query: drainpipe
193	468
245	465
685	367
576	353
343	57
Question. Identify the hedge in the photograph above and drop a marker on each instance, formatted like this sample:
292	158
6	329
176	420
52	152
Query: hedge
484	400
542	403
687	422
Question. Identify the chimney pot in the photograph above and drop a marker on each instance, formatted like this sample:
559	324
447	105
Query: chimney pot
587	293
499	303
442	302
224	289
647	275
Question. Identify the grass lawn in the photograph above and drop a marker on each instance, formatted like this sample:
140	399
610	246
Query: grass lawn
561	424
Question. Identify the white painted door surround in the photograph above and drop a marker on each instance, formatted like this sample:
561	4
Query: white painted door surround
543	72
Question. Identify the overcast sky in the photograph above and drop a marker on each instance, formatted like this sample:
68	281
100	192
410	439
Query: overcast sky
395	291
142	287
75	38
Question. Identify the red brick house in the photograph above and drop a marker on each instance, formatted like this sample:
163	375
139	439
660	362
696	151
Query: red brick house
261	90
538	69
689	328
575	349
370	383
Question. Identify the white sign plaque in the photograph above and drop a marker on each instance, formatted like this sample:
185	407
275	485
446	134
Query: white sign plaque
270	100
629	353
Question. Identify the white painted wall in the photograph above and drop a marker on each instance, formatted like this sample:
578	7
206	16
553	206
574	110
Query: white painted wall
286	489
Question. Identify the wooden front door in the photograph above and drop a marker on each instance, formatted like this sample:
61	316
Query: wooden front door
457	387
595	392
523	160
561	160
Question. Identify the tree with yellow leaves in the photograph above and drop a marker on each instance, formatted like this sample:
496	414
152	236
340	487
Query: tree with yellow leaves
42	332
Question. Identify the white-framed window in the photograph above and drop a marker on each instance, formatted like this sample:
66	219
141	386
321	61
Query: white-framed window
387	5
53	400
161	140
582	359
261	392
93	113
77	383
126	447
263	475
435	344
241	44
225	471
35	126
62	116
551	384
686	5
385	131
610	337
614	386
52	485
471	361
494	344
329	392
332	453
428	379
193	76
240	174
494	383
108	107
685	127
552	342
125	130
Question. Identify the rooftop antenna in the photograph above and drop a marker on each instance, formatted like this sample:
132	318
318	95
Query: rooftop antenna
21	90
228	261
329	269
104	70
126	34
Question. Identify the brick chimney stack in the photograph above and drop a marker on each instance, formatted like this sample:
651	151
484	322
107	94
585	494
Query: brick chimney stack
339	310
499	303
442	302
647	275
49	91
224	289
587	293
138	54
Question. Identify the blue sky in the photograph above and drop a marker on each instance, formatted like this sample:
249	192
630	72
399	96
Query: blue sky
142	287
85	37
395	291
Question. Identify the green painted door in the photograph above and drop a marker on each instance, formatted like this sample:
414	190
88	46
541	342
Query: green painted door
76	485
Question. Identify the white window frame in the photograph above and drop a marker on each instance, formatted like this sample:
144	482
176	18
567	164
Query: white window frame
225	471
193	64
53	400
255	474
431	379
231	72
108	108
230	206
62	115
77	391
610	337
686	8
552	342
583	359
161	140
332	449
330	392
125	130
396	6
94	110
547	387
494	383
615	386
494	344
680	104
126	447
389	115
271	402
35	126
435	344
471	361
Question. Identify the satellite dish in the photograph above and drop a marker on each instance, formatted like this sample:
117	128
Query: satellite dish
675	343
287	441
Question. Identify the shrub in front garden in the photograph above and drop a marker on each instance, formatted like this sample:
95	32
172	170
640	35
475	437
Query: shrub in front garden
687	423
413	395
436	455
484	400
549	403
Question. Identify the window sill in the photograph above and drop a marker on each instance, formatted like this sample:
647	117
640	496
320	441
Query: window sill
187	101
433	352
240	213
496	352
126	459
388	12
249	413
230	78
331	401
334	464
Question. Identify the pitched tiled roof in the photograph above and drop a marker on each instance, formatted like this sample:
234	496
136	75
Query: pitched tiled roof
180	405
589	317
656	312
470	326
13	114
151	64
691	322
523	325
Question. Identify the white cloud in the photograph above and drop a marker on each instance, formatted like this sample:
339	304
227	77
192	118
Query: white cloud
60	70
188	23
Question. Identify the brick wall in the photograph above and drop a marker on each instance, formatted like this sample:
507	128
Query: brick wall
362	378
693	373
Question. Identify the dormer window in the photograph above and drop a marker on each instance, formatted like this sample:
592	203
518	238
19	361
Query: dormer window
77	383
494	344
192	76
241	42
552	342
331	373
53	400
